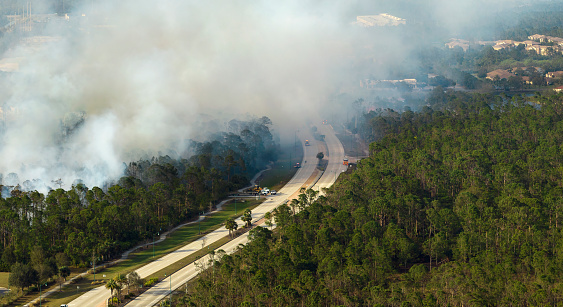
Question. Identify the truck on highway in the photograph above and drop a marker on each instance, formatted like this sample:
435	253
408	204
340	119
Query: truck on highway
254	190
307	143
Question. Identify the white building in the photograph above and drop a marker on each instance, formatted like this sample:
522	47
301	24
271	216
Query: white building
379	20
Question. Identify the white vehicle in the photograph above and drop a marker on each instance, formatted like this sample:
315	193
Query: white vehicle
273	192
265	191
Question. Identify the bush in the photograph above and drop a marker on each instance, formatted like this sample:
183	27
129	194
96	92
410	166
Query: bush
34	304
151	282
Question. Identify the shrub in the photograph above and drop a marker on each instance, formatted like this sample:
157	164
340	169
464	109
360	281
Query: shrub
151	282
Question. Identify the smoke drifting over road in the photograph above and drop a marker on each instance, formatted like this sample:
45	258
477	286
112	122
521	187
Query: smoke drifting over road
129	78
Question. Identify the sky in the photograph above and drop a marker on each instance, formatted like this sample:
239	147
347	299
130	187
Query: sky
139	77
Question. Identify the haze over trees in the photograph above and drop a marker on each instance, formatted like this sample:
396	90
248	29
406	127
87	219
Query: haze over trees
40	235
458	204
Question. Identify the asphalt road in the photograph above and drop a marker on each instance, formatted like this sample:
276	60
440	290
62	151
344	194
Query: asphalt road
97	297
335	158
334	168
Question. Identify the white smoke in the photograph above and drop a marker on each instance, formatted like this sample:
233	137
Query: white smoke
145	73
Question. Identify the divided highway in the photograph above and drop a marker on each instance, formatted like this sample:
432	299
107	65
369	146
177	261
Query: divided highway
98	296
335	158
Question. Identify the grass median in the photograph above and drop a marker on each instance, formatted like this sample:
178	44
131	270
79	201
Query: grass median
283	169
174	241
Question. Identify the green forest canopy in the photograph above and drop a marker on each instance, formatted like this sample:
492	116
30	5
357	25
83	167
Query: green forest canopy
459	204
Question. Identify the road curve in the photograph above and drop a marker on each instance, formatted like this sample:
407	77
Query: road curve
335	158
334	168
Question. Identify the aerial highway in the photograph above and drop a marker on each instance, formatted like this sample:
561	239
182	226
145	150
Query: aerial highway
335	156
98	296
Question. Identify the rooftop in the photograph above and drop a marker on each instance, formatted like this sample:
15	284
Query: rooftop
379	20
501	73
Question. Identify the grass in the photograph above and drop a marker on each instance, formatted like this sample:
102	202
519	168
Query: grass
4	279
187	260
282	170
31	295
67	294
136	260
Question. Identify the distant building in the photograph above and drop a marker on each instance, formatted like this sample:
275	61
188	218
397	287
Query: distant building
505	41
454	42
380	20
534	43
542	50
554	74
369	83
500	46
536	37
527	80
528	69
501	73
558	89
486	43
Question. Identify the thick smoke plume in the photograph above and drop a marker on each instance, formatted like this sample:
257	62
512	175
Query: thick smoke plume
130	78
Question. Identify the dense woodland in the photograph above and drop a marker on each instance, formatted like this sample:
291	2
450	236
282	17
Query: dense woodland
74	227
459	204
546	22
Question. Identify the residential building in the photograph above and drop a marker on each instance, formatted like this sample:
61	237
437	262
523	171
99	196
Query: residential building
554	74
501	73
379	20
463	44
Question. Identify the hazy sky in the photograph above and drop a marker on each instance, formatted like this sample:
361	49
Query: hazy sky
145	71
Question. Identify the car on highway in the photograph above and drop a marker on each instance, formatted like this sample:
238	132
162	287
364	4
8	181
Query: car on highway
273	192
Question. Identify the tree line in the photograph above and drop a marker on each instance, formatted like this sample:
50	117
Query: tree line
85	224
458	204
